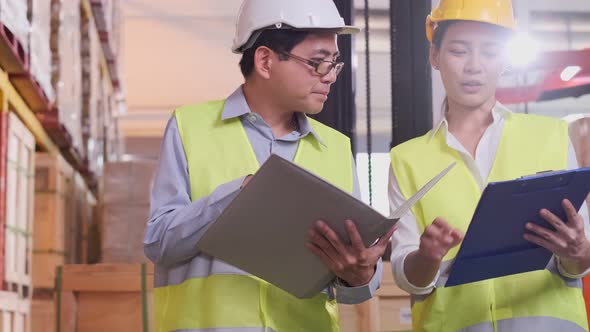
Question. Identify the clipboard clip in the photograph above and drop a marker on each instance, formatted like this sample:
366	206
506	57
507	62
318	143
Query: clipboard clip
525	177
543	172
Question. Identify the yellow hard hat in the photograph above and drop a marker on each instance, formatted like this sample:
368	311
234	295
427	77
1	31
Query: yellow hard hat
497	12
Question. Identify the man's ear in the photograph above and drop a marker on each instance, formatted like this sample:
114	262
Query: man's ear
263	59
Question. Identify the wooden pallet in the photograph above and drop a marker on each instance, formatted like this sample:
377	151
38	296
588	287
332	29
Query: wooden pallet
19	207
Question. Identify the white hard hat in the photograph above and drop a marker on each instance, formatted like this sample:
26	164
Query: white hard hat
296	14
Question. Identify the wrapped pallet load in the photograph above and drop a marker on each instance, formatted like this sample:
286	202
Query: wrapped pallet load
67	67
91	124
13	14
40	54
112	18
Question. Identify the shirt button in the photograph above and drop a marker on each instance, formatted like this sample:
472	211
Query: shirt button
251	117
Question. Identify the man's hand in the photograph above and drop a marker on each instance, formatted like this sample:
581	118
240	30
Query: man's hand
355	264
568	241
246	180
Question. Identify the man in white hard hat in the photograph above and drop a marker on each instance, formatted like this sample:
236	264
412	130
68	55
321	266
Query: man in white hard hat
289	61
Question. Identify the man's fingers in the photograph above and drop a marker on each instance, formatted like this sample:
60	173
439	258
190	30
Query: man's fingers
384	240
331	236
321	242
355	237
321	254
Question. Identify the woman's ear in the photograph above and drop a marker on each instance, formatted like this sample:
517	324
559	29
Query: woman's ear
434	56
263	60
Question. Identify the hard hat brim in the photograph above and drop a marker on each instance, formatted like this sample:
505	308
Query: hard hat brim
348	30
341	30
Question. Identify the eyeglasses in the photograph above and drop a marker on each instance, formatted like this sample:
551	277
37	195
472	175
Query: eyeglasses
322	67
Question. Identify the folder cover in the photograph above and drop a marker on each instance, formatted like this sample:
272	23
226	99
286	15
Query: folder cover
264	229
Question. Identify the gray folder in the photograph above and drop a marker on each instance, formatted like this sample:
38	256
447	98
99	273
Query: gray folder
264	229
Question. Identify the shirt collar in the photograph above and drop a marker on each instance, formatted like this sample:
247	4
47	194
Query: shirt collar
499	111
236	106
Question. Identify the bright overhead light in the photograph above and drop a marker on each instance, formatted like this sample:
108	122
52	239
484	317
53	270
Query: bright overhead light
522	50
569	72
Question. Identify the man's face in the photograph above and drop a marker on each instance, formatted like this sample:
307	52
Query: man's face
296	84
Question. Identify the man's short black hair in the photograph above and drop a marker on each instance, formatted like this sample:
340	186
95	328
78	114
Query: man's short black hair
278	40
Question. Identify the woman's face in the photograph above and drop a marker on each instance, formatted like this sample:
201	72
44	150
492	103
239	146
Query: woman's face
471	59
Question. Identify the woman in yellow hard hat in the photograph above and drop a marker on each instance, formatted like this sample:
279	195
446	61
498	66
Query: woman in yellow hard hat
489	143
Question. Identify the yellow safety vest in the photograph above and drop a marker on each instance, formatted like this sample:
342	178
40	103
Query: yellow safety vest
529	144
218	151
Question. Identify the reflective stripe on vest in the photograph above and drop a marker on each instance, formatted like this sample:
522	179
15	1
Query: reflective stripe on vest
208	295
525	324
529	144
231	329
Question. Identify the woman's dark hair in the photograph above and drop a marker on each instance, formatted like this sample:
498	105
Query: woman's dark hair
278	40
440	31
437	37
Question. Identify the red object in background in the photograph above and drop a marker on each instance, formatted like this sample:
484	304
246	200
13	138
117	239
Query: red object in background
587	294
552	86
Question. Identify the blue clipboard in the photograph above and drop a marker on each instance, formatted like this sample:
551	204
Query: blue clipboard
494	245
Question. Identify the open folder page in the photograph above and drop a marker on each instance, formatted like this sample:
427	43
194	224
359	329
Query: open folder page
264	230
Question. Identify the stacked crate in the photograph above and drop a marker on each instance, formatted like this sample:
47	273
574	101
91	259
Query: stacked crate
102	297
126	197
16	222
83	217
45	316
388	311
54	199
67	71
64	211
40	51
